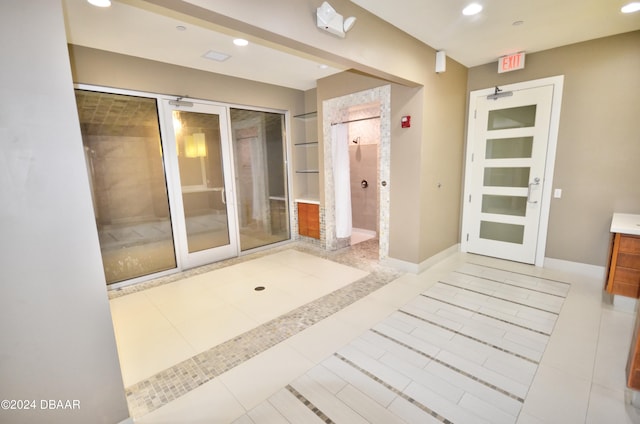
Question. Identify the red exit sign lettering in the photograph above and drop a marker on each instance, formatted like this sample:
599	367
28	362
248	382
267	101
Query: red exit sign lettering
511	62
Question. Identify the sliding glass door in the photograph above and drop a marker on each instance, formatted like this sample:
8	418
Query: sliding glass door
179	184
260	177
121	138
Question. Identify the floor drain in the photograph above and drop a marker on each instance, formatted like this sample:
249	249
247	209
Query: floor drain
259	288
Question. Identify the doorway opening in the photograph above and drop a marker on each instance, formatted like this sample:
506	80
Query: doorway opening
365	115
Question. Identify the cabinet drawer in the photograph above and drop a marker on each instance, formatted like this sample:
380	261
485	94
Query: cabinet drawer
626	289
627	275
629	244
628	260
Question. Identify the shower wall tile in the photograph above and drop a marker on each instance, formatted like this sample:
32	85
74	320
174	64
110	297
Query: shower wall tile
364	166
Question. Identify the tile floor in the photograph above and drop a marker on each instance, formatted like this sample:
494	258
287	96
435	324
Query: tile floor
470	340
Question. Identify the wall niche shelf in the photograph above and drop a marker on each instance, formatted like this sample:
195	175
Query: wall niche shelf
306	162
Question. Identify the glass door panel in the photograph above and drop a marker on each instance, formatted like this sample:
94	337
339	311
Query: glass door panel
505	205
499	231
201	180
260	177
513	117
506	148
506	177
199	160
123	152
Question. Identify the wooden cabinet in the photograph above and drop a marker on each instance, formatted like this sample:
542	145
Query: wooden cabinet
309	220
624	266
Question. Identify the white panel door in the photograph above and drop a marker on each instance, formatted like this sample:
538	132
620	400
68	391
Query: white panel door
506	162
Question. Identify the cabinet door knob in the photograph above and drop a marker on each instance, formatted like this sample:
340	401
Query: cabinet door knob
384	183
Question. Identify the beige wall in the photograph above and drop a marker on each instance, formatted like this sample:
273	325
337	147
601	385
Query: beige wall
97	67
442	157
406	183
598	143
57	336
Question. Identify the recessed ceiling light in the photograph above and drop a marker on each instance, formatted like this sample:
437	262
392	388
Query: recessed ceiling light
240	42
181	28
100	3
472	9
217	56
323	66
631	7
517	23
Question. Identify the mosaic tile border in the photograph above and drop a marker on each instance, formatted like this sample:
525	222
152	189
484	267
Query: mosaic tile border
166	386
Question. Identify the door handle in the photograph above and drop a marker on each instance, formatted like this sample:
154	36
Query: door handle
536	181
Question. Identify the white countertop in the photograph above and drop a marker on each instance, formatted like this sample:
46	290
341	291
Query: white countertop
308	200
625	223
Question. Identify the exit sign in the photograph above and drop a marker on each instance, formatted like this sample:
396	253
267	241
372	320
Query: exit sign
511	62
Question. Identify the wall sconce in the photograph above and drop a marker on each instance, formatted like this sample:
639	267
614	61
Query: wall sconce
333	22
195	146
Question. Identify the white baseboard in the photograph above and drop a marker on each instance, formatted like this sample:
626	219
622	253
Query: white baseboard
624	303
593	271
424	265
401	265
127	421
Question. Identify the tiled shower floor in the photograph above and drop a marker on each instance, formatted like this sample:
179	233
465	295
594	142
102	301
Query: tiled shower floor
472	339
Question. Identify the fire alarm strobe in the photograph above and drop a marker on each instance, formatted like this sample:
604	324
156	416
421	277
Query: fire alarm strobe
406	121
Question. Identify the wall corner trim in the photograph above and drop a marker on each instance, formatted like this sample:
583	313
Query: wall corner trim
424	265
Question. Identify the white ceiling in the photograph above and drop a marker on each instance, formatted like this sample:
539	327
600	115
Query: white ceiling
134	31
472	41
476	40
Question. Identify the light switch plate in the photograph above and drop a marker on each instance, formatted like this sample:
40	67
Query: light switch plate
557	193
